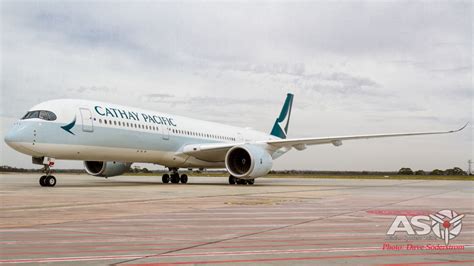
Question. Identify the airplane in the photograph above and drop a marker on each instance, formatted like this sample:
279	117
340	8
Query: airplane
110	137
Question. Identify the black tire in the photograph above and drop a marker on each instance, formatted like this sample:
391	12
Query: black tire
232	180
241	181
175	178
165	178
251	181
184	178
42	181
50	181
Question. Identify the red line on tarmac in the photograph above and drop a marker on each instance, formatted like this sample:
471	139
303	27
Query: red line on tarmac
431	263
339	241
214	247
138	256
271	239
181	243
95	250
60	231
399	212
297	258
218	254
69	259
83	251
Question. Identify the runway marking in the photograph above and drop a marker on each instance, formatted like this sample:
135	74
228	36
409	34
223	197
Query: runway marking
296	259
431	262
107	242
68	259
328	217
94	247
216	254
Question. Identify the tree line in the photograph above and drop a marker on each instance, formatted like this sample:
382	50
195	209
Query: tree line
451	171
137	169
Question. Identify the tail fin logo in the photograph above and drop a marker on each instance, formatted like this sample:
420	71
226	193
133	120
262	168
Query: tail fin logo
280	128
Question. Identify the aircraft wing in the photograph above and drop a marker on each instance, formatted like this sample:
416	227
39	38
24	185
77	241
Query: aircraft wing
337	140
215	152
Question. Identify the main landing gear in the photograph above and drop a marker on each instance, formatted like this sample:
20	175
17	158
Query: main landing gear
234	180
174	177
47	180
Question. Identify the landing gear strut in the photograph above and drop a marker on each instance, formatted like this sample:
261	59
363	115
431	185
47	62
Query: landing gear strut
174	177
47	180
234	180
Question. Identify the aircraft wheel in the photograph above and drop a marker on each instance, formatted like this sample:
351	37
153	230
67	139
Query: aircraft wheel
50	181
42	181
165	178
251	181
232	180
184	178
175	178
241	181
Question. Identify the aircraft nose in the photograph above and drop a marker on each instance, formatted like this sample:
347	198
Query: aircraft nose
12	137
16	137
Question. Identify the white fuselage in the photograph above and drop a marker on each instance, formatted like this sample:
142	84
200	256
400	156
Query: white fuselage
99	131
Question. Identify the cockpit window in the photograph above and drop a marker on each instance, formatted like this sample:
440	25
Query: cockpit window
41	114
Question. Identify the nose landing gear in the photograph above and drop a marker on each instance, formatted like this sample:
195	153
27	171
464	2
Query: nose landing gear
47	180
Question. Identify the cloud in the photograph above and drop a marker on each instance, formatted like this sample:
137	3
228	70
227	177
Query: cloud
385	65
85	89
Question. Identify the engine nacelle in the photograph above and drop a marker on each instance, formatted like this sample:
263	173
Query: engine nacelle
248	161
105	169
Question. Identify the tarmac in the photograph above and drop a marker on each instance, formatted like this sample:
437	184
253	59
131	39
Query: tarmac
137	220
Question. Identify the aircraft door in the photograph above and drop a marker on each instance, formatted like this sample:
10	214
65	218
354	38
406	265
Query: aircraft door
87	124
166	133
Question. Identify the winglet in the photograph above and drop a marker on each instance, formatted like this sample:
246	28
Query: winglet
457	130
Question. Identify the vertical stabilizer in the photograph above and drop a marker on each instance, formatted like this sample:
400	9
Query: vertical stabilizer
280	128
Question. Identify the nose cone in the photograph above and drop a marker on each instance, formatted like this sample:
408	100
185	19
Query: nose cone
17	138
12	138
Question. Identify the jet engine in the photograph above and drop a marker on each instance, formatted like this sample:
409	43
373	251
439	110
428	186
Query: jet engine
105	169
248	161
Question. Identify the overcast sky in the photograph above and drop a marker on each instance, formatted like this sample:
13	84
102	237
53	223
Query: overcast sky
354	67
